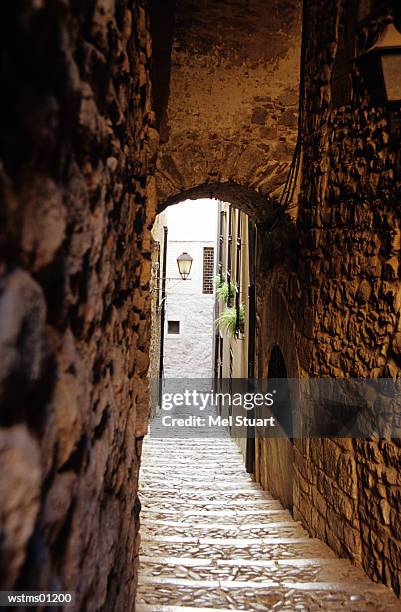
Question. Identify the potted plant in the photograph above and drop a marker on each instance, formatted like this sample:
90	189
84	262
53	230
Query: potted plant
224	291
227	321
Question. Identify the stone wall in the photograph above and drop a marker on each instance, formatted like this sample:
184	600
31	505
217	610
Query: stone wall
343	291
350	243
77	152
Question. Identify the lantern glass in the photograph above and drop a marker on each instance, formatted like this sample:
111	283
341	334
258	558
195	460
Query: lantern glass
391	65
381	66
184	262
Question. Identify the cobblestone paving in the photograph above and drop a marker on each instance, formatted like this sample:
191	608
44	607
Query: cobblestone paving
212	539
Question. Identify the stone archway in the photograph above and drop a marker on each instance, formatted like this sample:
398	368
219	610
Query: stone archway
255	204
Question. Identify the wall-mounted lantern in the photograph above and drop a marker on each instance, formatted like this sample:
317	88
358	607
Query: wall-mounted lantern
184	262
381	67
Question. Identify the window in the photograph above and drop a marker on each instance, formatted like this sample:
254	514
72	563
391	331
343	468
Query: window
208	266
173	327
229	253
238	274
222	231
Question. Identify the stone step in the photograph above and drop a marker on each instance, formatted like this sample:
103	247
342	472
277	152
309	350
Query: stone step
211	539
186	462
350	587
149	500
226	514
272	595
207	451
179	449
233	548
217	533
181	460
230	501
156	608
202	486
217	517
238	542
261	530
197	475
156	440
297	570
145	522
202	477
200	452
199	472
205	462
241	490
205	456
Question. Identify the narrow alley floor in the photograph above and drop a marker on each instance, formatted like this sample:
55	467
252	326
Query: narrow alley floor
211	538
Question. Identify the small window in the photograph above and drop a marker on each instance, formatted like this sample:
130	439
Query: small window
173	327
208	267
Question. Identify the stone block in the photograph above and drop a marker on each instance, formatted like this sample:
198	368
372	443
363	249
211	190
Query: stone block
22	342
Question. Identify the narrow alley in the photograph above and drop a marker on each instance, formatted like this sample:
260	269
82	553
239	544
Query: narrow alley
211	538
278	122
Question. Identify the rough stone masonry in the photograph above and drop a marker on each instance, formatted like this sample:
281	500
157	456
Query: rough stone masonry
77	194
341	298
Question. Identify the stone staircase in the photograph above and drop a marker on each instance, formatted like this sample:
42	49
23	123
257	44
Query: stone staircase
212	539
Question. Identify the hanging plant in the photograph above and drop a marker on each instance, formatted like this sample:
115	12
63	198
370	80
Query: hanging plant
218	281
227	321
224	291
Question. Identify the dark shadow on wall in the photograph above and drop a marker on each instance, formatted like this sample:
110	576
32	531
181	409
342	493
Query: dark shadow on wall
279	451
162	20
277	369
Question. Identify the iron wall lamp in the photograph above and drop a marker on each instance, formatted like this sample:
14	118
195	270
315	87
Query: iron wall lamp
184	262
381	67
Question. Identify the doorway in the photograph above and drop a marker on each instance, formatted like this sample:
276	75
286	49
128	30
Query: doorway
275	456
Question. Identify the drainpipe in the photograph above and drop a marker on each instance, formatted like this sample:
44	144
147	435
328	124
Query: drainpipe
163	304
250	442
252	299
216	336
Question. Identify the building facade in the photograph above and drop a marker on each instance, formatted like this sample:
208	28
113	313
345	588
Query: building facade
234	271
189	304
234	344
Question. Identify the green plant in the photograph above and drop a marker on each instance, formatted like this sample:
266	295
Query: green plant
224	291
227	321
218	281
